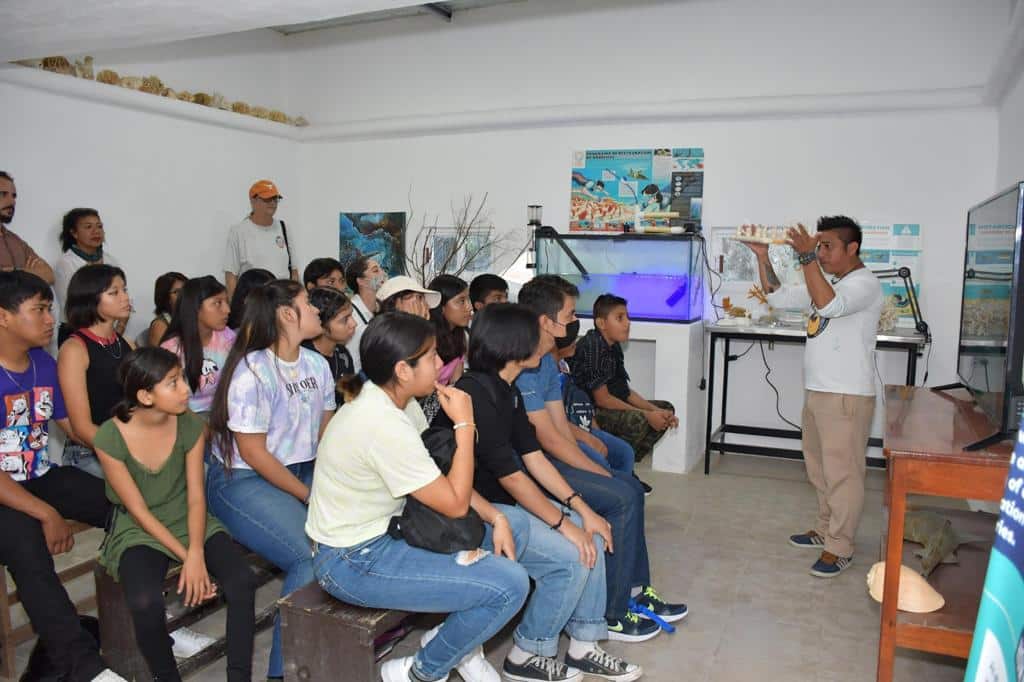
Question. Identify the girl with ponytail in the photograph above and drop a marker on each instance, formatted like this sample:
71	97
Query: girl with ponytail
270	407
152	458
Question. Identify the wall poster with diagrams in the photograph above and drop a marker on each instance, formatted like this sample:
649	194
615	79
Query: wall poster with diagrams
609	184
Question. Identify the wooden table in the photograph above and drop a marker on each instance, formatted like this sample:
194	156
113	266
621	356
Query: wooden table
925	433
907	341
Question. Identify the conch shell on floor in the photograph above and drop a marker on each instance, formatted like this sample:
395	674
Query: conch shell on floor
915	594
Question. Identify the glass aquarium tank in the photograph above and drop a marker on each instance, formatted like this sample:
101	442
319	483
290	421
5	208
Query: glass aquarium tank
660	275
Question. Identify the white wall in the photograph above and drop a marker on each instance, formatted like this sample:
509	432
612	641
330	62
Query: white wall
167	189
1011	136
575	52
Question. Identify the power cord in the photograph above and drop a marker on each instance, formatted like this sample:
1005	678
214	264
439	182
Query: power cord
734	357
778	398
927	361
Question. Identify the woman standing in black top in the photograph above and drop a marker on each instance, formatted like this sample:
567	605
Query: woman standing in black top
88	361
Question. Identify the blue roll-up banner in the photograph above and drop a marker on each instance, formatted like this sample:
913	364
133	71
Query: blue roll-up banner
997	652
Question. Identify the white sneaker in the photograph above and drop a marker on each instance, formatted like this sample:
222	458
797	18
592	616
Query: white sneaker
397	670
188	642
473	667
108	675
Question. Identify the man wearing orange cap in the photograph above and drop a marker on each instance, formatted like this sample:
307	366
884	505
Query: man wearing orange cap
259	241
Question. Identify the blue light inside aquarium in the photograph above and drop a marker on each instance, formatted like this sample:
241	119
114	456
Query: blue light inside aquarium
649	297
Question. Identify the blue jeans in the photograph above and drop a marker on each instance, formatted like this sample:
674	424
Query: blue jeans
620	453
268	521
567	596
82	458
620	500
387	573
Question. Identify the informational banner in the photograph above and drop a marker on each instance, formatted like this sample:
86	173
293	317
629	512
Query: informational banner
889	247
609	185
997	652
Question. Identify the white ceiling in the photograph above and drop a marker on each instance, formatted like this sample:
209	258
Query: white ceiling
39	28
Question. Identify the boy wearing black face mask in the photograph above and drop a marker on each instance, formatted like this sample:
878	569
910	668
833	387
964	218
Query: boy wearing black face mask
598	367
634	610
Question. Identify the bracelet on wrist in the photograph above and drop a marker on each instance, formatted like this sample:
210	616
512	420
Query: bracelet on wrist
466	425
561	520
568	500
807	258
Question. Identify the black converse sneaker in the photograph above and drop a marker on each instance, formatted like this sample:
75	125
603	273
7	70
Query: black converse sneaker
600	663
540	669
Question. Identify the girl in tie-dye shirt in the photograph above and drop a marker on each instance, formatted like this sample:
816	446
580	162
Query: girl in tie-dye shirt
268	414
198	334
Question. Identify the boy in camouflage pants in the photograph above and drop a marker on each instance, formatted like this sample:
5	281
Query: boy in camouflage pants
599	368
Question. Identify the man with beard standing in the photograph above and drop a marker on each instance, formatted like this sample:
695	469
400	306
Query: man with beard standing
15	254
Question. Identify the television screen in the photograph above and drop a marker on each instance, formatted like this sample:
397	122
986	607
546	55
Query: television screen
987	313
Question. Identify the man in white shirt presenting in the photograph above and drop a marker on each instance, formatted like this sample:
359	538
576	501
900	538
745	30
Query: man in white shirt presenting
259	241
839	379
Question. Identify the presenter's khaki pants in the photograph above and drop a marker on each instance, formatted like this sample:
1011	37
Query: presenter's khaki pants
836	427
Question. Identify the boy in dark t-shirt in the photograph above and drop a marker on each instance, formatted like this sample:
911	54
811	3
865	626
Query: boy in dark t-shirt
36	496
598	367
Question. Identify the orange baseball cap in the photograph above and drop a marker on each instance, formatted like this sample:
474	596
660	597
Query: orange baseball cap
264	189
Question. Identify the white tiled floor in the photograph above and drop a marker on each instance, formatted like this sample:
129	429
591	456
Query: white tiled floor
719	543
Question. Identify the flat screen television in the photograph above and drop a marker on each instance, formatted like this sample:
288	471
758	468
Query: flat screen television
991	345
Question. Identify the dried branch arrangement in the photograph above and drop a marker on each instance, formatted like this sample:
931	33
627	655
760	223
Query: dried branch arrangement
471	233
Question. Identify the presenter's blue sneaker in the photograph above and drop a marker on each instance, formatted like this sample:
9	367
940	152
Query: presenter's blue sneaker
808	540
650	599
829	565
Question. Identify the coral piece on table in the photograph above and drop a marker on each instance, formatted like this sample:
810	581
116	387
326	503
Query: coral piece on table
261	112
277	116
241	108
131	82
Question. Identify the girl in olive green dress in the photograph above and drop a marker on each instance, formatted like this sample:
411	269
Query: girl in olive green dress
152	458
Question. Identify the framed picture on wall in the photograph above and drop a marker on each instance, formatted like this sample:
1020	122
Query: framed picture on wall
474	255
381	235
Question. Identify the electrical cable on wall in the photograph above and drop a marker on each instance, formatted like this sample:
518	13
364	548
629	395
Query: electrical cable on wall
778	398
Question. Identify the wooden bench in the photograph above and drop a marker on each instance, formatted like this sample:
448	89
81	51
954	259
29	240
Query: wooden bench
11	637
117	631
324	639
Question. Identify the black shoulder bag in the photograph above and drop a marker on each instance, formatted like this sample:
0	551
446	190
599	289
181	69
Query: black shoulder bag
420	526
287	249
